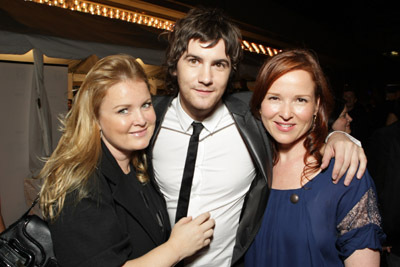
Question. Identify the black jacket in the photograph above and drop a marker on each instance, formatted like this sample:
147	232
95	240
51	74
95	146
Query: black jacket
256	140
383	152
111	225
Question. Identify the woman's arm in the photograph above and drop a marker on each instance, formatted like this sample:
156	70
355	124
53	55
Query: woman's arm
89	234
363	258
360	224
187	237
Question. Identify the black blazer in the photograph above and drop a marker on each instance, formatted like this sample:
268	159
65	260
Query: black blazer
111	225
383	153
256	140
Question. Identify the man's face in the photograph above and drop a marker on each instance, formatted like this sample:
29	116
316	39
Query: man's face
202	73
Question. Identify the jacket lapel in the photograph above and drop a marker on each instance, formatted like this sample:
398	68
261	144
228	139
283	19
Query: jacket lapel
256	140
127	196
160	104
253	133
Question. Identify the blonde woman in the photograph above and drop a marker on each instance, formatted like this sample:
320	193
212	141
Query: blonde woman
101	205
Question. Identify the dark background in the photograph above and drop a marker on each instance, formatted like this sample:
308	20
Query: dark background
353	39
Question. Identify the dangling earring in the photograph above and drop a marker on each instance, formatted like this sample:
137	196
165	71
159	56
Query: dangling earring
313	122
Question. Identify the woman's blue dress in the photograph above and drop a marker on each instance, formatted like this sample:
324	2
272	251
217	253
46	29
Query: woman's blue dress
325	226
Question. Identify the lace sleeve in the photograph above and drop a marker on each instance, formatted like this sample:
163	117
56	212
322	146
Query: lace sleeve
363	213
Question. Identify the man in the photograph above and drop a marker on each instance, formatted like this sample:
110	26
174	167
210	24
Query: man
383	150
393	103
233	166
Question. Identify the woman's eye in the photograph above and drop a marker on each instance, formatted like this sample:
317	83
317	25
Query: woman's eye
147	105
123	111
302	100
273	98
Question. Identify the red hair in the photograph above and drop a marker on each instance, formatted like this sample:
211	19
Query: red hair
281	64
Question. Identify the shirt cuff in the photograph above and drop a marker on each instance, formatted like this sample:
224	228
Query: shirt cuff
354	140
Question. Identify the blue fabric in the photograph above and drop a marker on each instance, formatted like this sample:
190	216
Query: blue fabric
306	233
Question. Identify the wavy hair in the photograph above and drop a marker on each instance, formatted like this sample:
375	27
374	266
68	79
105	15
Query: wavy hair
273	69
206	25
79	150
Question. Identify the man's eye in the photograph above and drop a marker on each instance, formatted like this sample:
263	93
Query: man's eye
220	65
193	61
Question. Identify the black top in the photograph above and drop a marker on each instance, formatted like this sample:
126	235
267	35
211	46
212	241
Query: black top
120	219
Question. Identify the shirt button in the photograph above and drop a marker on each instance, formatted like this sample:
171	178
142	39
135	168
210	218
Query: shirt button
294	198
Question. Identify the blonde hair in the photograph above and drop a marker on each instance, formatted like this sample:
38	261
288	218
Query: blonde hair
79	150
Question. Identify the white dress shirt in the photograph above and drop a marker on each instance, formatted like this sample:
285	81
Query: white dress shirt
223	173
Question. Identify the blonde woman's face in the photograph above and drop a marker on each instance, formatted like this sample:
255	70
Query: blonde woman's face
127	118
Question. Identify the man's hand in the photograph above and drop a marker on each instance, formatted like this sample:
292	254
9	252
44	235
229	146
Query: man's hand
348	157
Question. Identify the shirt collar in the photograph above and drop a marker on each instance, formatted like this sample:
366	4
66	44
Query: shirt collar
210	123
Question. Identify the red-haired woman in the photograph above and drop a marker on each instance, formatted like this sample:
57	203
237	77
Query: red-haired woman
309	221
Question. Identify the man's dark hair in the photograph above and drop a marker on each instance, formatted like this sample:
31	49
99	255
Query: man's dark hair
206	25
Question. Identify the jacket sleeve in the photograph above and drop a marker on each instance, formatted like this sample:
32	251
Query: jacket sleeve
88	233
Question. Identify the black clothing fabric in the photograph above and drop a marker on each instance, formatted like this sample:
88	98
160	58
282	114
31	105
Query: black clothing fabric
361	124
256	140
383	153
121	219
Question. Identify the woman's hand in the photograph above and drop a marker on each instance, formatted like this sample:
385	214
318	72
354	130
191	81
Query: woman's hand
190	235
187	237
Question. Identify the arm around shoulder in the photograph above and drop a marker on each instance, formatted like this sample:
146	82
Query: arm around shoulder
348	157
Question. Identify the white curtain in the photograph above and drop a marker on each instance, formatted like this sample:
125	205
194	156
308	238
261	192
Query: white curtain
18	43
40	139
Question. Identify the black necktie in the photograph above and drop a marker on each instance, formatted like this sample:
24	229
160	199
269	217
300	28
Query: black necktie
186	185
